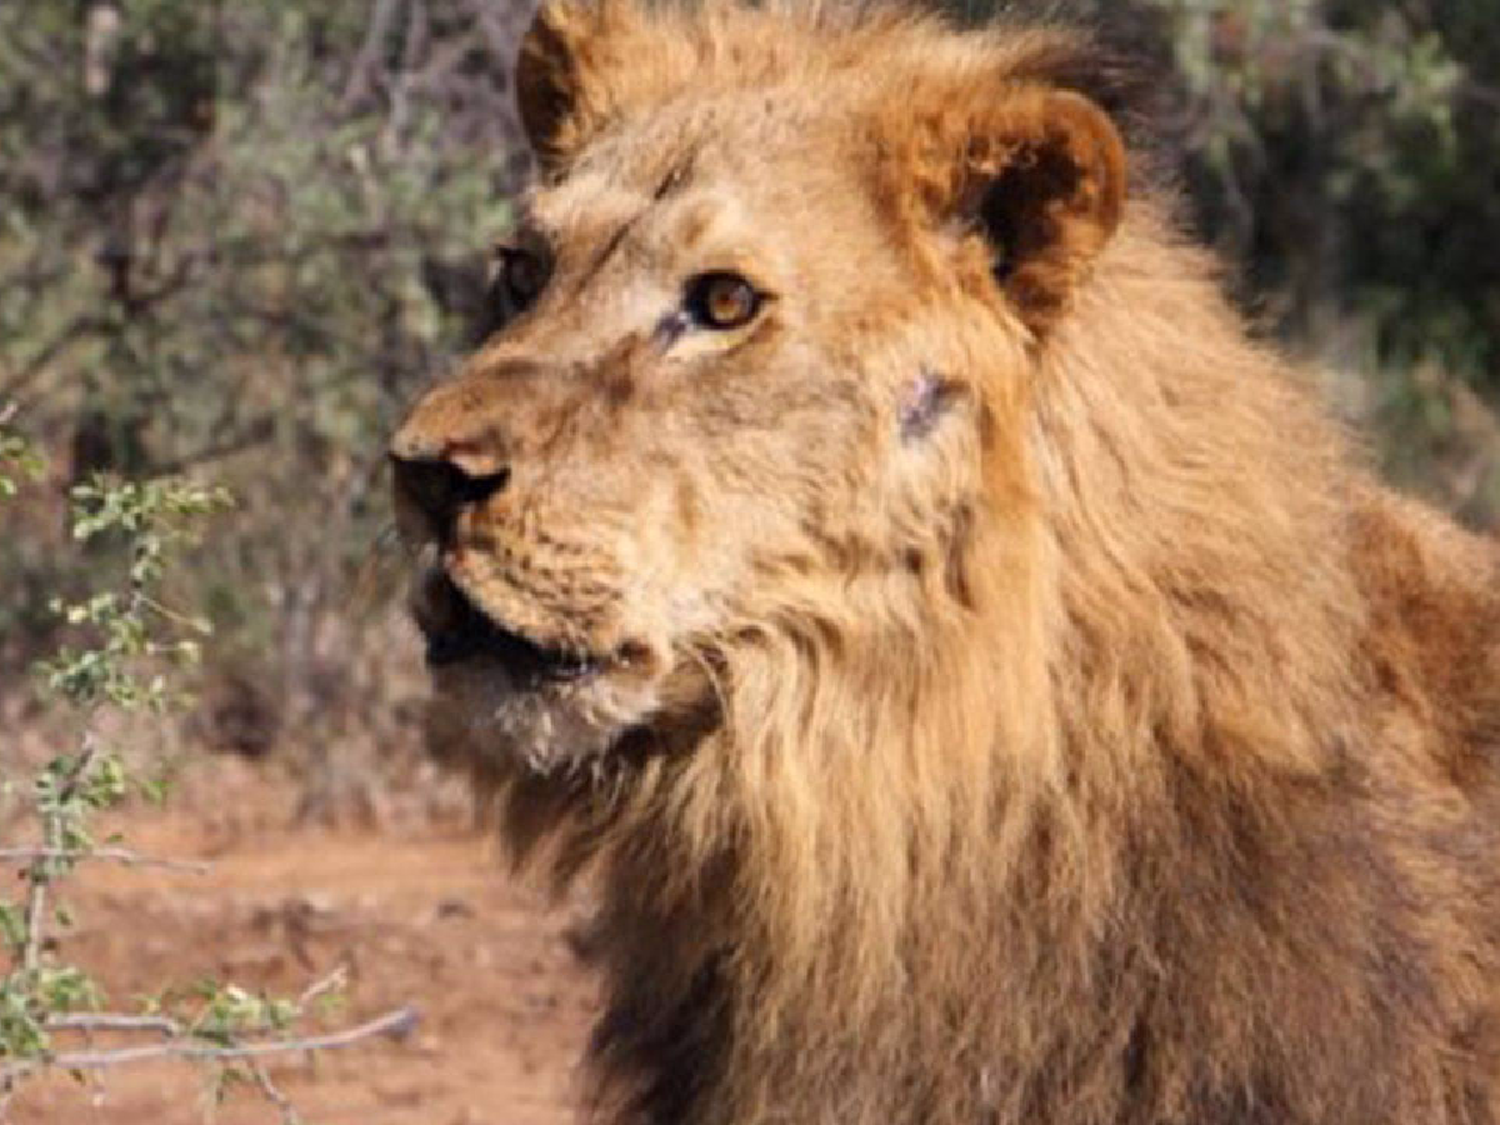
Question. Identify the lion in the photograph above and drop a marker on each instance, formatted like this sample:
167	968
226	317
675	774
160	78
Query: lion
975	679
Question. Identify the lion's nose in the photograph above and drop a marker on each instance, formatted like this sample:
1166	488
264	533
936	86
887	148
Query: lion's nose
440	489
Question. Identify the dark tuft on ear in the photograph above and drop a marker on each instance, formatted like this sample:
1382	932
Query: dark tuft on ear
550	75
545	77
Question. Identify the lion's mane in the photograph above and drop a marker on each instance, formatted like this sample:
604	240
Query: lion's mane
1177	802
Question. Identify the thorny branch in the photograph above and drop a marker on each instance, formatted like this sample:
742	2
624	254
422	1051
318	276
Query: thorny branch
90	1022
396	1024
189	1041
272	1093
42	870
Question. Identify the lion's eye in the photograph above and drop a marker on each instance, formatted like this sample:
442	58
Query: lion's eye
521	277
722	300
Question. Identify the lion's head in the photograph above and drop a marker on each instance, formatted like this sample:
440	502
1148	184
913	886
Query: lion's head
971	666
732	399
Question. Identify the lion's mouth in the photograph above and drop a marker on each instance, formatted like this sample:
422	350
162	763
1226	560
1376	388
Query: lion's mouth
502	694
458	631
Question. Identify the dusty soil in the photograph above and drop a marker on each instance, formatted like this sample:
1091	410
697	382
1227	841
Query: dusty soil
421	912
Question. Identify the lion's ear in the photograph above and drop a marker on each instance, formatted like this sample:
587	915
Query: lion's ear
550	74
1042	176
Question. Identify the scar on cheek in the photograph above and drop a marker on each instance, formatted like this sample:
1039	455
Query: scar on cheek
670	328
926	400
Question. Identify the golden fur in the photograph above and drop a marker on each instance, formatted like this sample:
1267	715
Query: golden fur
1020	707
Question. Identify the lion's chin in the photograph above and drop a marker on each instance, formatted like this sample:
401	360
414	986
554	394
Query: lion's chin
502	698
485	714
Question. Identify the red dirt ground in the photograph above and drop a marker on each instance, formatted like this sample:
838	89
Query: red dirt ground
421	914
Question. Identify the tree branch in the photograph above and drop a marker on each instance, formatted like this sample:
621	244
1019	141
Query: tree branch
89	1022
395	1025
39	874
378	31
76	329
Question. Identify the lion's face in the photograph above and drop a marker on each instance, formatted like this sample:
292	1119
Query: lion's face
693	422
732	387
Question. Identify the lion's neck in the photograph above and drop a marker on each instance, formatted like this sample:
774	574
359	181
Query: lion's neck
874	840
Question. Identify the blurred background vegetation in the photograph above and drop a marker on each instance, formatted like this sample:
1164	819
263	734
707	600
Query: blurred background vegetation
236	238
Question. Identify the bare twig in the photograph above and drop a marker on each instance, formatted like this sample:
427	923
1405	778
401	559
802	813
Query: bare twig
258	431
396	1025
79	328
361	75
273	1094
36	910
40	874
332	982
89	1022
